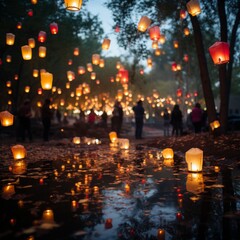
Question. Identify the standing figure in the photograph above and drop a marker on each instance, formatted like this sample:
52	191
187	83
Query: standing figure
59	116
46	119
197	118
176	121
104	118
139	115
166	123
24	115
91	118
120	110
82	116
115	120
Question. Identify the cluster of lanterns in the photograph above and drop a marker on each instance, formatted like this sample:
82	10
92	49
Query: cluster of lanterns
122	143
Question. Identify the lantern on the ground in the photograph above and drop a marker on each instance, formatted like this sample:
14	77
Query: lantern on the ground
194	159
113	136
106	43
76	51
193	7
219	52
215	124
161	234
18	151
46	80
194	183
31	42
95	59
167	153
26	52
76	140
144	23
73	5
10	38
42	36
48	216
6	118
154	33
101	63
53	28
19	167
81	70
35	73
123	143
42	51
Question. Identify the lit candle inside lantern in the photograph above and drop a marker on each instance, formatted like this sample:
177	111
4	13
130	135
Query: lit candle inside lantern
168	162
193	7
10	38
194	183
48	216
168	153
19	167
194	159
18	151
161	234
76	140
6	118
108	223
144	23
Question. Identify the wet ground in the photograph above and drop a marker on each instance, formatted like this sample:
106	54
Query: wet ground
94	191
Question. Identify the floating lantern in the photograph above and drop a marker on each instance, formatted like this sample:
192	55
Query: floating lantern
161	234
70	75
167	153
179	67
18	151
149	62
6	118
108	223
106	43
154	33
93	75
8	84
10	38
193	7
27	89
123	143
46	80
215	124
19	25
89	67
48	216
42	36
39	91
162	39
8	58
154	44
30	12
19	167
76	140
95	59
183	14
113	137
194	159
194	183
185	58
179	92
53	28
175	44
127	188
68	85
141	71
35	73
144	23
16	77
26	52
8	191
118	65
158	52
124	76
186	31
31	42
70	62
73	5
34	1
219	52
42	51
174	67
81	70
101	63
76	51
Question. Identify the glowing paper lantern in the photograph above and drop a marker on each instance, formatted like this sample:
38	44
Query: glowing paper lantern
8	191
108	223
46	80
53	28
113	137
195	183
42	51
8	58
19	25
154	44
124	76
183	14
162	39
48	216
6	118
95	59
26	52
106	44
185	58
193	7
167	153
215	124
219	52
19	167
10	38
73	5
123	143
27	89
158	52
174	67
154	33
175	44
76	140
89	67
35	73
79	91
179	92
93	75
186	31
34	1
161	234
144	23
42	36
101	63
81	70
194	159
76	52
31	42
18	151
70	75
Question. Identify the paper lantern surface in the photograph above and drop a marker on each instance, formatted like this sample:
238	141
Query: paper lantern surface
144	23
18	151
6	118
220	52
194	159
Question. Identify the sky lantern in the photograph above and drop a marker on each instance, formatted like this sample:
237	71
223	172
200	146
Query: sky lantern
68	85
18	151
183	14
124	75
162	39
34	1
154	44
95	59
42	51
117	29
53	28
8	84
174	66
193	7
35	73
31	42
16	77
73	5
185	58
27	89
76	51
10	38
106	43
26	52
70	75
158	52
143	23
42	36
8	58
30	12
89	67
39	91
118	65
179	92
70	62
46	80
186	31
19	25
93	75
79	91
175	44
154	33
6	118
81	70
219	52
141	71
101	63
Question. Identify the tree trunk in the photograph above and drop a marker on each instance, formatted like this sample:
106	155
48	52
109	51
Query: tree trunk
204	74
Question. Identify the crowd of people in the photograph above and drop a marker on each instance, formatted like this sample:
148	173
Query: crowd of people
172	119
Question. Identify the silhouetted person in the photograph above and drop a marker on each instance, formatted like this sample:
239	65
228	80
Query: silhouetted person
139	115
197	118
24	115
120	110
81	116
117	118
166	123
176	121
104	118
59	116
46	119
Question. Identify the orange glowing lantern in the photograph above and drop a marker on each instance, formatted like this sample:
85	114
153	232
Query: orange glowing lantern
34	1
46	80
144	23
19	25
19	167
76	140
161	234
35	73
127	188
10	38
154	44
6	118
186	31
113	137
108	223
42	36
79	91
162	39
106	43
8	191
174	67
18	151
193	7
118	65
42	51
95	59
76	51
73	5
48	216
16	77
26	52
179	92
53	28
149	62
175	44
27	89
89	67
154	33
123	143
8	58
124	75
8	83
93	75
167	153
31	42
183	14
101	63
81	70
68	85
70	75
194	159
70	62
215	124
219	52
158	52
185	58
